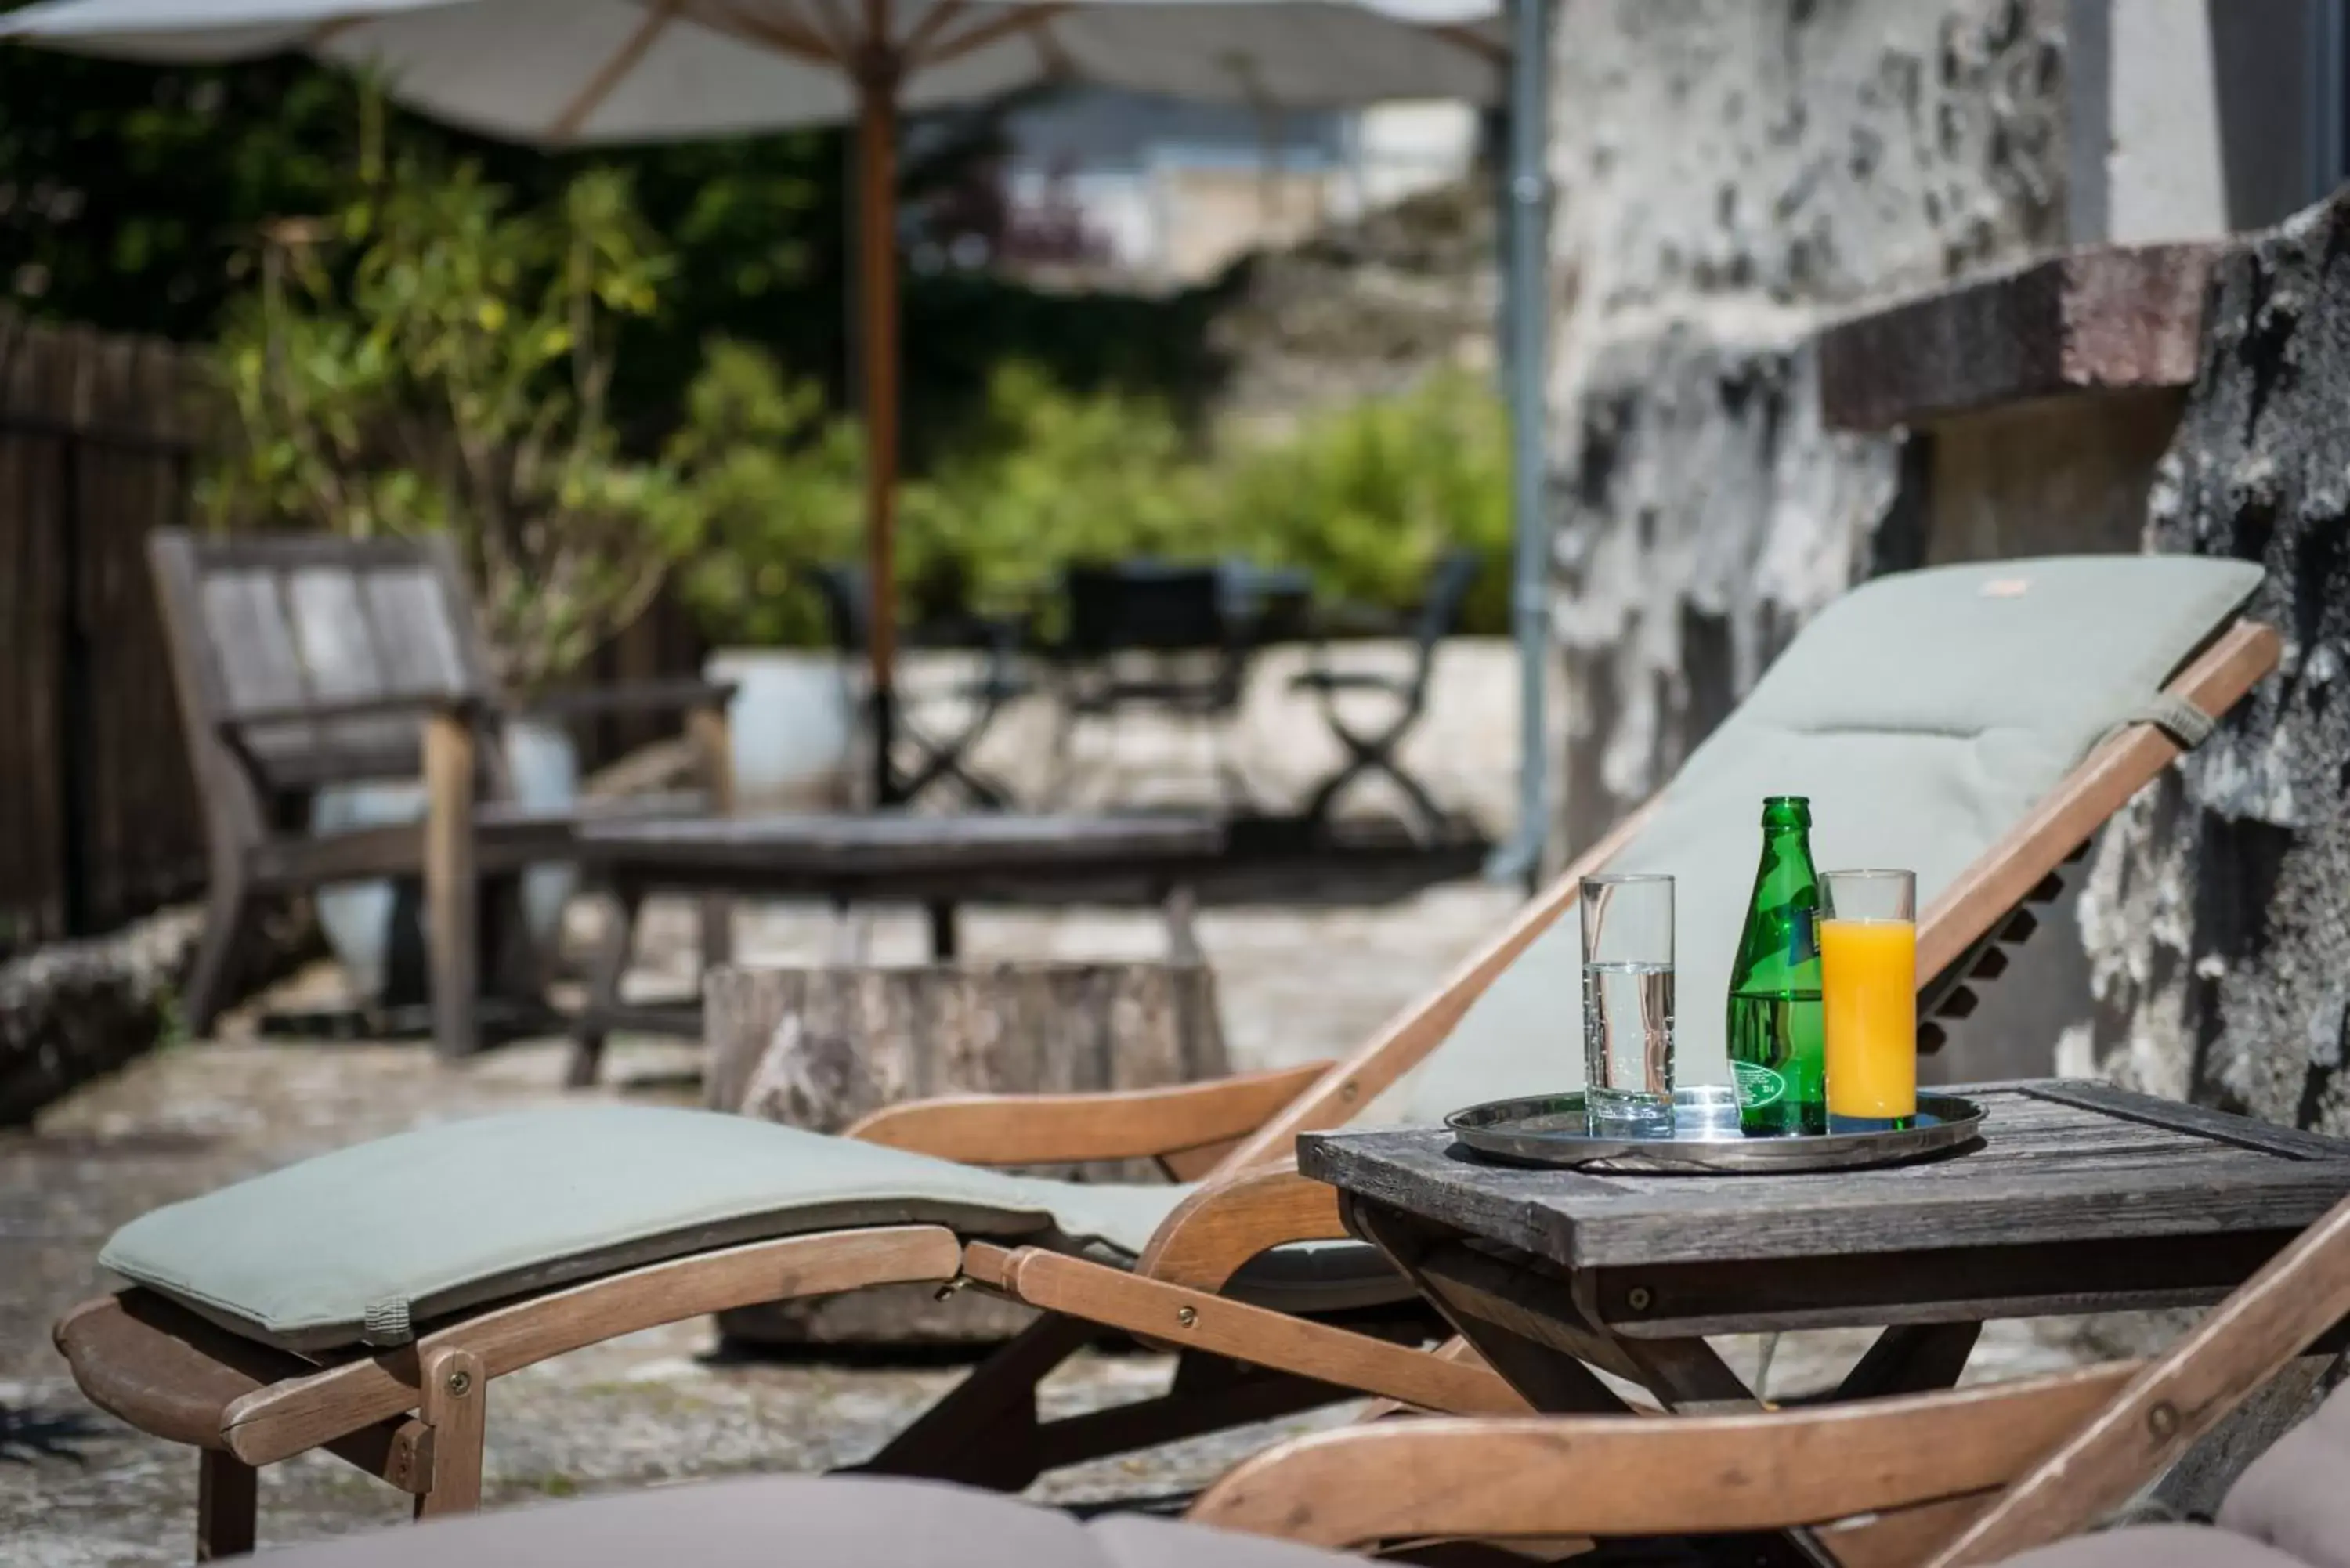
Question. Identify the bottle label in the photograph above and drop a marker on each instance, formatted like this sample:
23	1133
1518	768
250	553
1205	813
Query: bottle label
1758	1085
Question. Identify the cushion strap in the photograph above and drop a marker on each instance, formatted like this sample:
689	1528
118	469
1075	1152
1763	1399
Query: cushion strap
386	1322
2176	717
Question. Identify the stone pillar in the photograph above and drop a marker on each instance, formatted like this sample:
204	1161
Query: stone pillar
2216	915
1729	174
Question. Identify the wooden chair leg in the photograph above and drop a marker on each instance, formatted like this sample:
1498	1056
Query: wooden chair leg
852	934
717	914
228	1495
946	943
1179	908
229	912
455	1403
985	1431
713	746
452	909
521	969
595	1020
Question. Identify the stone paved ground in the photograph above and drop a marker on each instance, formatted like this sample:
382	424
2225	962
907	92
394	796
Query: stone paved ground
79	1490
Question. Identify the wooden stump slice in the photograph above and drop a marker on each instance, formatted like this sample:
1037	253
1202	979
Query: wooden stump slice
818	1047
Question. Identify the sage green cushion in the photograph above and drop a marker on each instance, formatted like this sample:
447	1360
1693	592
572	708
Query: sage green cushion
366	1243
1923	713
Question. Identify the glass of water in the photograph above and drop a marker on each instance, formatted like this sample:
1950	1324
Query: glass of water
1628	1005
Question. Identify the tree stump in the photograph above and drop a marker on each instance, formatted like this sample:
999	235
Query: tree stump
819	1047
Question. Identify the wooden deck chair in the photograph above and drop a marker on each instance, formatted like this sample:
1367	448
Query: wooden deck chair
1955	1480
1977	723
305	660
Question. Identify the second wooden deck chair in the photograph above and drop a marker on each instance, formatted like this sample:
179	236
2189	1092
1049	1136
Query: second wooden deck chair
305	661
1955	1480
1977	723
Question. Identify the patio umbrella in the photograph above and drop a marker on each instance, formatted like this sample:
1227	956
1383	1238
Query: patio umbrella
566	73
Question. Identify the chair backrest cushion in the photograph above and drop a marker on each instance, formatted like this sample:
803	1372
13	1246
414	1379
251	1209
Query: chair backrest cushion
2296	1496
1923	714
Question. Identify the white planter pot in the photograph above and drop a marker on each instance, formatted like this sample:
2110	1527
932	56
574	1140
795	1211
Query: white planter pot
794	723
357	916
545	766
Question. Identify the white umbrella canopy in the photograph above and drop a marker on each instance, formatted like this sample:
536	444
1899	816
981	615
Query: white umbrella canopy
569	71
560	73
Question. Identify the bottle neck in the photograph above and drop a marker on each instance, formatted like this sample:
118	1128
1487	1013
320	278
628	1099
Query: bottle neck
1786	870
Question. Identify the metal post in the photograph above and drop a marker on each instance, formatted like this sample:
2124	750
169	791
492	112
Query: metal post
1525	289
878	75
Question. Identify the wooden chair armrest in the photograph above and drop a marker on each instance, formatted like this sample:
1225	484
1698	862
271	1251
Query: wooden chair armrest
676	696
424	707
703	704
1932	1458
1128	1124
1217	1230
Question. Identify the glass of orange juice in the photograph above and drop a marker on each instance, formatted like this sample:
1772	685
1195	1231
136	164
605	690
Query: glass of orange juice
1868	995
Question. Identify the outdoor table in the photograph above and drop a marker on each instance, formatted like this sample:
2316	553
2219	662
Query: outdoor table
2080	1197
849	858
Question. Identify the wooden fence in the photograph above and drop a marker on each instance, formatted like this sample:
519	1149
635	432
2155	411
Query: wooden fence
101	438
98	443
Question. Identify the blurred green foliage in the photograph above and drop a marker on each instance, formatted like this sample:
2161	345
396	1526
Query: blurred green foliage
782	488
440	361
1364	498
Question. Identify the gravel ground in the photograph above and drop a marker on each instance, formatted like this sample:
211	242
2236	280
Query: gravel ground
79	1490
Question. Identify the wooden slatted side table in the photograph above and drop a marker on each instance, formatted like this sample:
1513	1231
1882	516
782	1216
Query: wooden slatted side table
2081	1198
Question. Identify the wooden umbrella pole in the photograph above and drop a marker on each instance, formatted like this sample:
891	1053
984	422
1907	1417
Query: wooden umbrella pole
878	72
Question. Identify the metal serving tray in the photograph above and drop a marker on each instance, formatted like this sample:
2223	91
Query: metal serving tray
1555	1130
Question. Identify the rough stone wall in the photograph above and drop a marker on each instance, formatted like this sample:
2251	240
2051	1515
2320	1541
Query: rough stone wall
2217	912
1729	173
76	1011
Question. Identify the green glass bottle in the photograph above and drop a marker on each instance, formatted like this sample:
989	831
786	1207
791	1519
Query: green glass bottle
1777	1029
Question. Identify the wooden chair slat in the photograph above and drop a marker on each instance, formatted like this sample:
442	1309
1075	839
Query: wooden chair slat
341	663
249	639
421	649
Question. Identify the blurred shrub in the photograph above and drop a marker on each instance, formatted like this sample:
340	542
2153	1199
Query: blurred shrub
1363	498
1047	476
779	487
438	360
